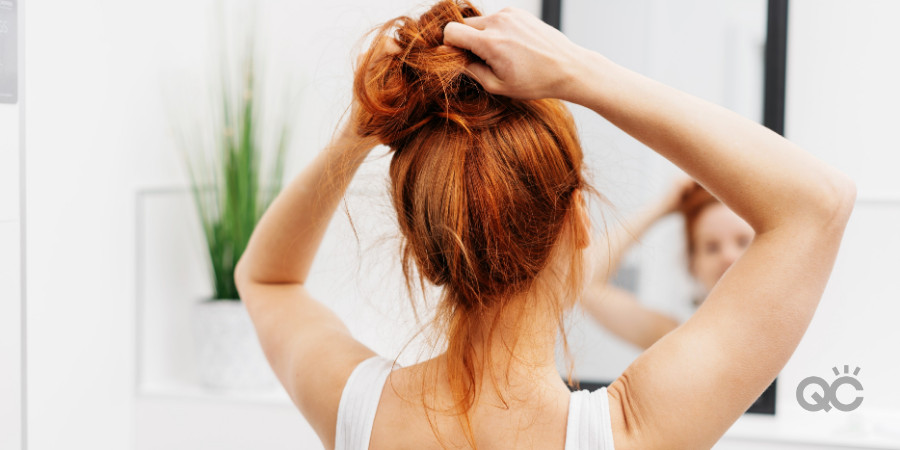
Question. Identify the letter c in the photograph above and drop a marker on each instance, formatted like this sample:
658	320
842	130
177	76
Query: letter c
846	406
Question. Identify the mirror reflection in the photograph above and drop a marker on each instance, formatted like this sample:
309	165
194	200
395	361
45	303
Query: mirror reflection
669	240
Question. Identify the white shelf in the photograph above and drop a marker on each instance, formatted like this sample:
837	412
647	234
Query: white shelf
171	279
182	418
872	432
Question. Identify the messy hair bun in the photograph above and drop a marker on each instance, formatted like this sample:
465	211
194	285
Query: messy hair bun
484	187
425	82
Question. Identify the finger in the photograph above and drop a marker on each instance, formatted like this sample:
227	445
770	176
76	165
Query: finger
477	22
381	46
466	37
391	46
387	46
485	77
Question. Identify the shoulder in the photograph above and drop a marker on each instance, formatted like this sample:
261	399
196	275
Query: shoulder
318	392
308	347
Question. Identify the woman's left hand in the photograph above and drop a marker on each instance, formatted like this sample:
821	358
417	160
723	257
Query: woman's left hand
380	48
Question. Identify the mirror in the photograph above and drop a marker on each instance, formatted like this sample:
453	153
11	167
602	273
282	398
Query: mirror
710	49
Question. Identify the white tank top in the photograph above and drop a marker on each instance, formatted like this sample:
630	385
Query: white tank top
588	427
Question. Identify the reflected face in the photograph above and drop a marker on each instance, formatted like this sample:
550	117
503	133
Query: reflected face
720	238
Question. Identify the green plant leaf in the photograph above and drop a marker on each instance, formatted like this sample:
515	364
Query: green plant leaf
235	199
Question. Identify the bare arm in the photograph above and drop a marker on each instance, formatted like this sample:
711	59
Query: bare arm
618	240
620	312
307	345
285	241
713	367
761	176
687	389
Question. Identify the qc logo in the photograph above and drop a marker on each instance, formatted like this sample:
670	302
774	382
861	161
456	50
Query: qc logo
828	397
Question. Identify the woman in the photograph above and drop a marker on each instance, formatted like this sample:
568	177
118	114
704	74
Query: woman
715	237
486	177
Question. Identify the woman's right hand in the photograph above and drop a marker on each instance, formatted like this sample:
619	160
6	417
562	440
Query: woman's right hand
676	194
524	57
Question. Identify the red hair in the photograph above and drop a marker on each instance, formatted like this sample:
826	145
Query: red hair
694	201
483	185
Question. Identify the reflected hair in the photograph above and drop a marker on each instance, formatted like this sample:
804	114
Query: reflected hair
693	202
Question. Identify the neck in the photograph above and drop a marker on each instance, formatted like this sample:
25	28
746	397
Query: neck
519	356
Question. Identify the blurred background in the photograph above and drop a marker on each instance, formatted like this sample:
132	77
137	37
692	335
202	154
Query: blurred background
104	260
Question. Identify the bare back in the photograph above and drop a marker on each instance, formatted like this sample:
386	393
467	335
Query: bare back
401	423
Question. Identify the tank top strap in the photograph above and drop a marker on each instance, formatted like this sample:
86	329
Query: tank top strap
589	426
359	402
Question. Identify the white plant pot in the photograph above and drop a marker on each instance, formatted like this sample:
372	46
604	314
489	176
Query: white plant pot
228	352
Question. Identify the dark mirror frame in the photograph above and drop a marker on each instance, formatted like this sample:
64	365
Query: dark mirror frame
773	118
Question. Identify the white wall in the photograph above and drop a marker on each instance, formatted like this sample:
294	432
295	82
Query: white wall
10	280
11	253
78	167
842	97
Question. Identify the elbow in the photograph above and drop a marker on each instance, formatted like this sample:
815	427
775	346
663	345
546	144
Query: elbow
843	199
239	273
829	208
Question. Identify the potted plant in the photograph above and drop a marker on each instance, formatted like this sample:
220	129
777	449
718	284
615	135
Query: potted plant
225	168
